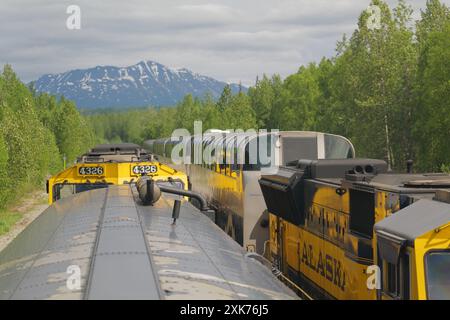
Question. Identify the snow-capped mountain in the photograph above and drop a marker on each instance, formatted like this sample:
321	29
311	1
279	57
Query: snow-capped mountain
144	84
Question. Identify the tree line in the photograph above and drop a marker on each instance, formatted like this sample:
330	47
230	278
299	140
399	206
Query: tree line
36	132
387	89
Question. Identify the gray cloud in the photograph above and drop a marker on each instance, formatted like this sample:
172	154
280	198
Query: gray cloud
231	40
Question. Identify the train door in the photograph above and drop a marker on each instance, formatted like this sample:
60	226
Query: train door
330	252
325	259
394	261
280	261
324	248
311	247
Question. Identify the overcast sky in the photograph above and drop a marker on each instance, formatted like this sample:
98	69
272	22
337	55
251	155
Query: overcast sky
230	40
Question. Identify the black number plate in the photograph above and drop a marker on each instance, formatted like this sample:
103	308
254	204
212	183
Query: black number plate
145	169
91	171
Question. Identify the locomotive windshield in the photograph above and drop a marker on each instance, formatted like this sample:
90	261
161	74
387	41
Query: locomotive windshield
337	147
315	146
61	191
437	266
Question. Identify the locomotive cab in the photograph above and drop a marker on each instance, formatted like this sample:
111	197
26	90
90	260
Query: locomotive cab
111	164
413	251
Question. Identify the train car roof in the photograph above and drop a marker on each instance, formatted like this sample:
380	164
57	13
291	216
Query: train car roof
123	250
115	147
222	134
340	171
415	220
419	185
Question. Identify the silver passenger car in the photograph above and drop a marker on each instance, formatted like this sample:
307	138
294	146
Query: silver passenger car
231	186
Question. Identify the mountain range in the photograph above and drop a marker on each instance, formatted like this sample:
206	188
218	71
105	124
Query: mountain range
146	83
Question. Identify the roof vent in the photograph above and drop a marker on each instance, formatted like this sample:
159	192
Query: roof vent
435	183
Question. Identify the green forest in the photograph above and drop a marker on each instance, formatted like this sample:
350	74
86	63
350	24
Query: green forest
387	90
36	132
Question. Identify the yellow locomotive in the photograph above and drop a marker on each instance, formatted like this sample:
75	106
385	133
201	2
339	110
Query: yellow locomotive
349	229
111	164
